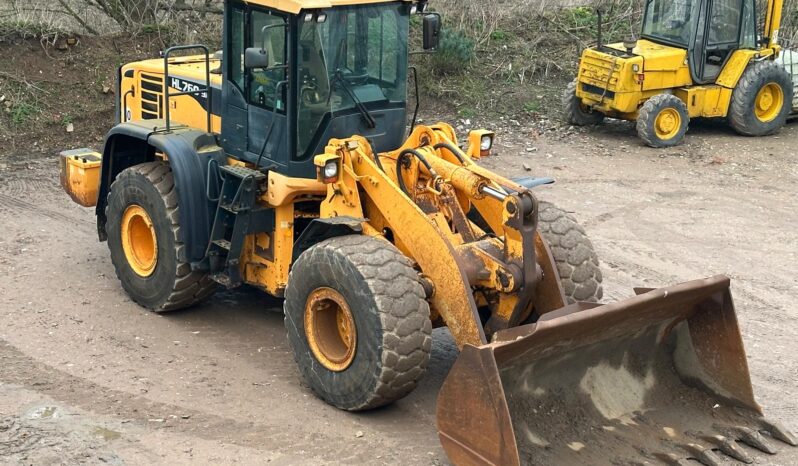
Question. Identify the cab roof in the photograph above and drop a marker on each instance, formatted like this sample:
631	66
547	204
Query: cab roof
295	6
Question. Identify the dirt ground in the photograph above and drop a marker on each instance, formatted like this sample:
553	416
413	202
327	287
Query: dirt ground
87	376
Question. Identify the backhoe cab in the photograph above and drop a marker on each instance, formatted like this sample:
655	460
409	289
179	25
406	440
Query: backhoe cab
694	58
283	164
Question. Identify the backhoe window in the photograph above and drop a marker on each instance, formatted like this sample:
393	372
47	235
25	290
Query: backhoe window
362	49
672	21
724	21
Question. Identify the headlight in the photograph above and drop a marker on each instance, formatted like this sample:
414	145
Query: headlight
486	143
331	170
636	68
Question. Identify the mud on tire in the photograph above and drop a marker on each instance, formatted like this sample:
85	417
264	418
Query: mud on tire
172	285
390	312
576	259
574	112
742	110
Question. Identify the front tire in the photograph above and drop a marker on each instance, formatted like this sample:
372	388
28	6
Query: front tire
663	121
574	254
358	322
575	112
143	225
762	99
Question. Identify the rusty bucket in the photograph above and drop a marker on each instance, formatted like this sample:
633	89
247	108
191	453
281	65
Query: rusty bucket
660	378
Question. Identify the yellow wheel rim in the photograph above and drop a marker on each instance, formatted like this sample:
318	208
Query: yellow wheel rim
330	329
668	123
138	241
769	102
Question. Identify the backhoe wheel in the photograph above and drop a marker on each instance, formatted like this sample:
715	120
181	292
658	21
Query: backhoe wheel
575	112
358	322
576	259
663	121
762	99
143	225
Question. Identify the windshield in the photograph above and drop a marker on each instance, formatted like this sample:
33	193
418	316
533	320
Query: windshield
355	60
671	21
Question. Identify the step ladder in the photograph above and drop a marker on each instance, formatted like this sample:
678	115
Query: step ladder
238	214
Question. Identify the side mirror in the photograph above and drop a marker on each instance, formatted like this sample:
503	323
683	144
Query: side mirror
432	31
256	57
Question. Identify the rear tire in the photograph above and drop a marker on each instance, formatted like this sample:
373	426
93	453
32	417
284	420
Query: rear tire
379	296
576	259
663	121
762	99
162	281
575	112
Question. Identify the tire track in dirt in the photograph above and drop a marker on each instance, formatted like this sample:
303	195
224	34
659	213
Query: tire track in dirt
12	205
16	368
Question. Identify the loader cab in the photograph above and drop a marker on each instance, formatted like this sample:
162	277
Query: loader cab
294	81
710	31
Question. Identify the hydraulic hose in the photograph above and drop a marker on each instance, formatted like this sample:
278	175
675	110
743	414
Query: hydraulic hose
454	150
420	158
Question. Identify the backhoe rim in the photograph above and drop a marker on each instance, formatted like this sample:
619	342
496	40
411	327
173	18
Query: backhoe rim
769	102
139	241
330	329
667	123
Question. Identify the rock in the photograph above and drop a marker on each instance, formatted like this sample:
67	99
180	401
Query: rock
527	167
106	89
359	434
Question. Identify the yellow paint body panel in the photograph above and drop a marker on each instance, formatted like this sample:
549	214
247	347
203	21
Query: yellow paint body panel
142	95
705	101
80	175
735	67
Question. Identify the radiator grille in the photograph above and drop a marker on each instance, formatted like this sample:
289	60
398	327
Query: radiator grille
151	97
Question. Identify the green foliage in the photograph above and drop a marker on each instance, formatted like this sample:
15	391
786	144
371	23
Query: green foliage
455	53
467	112
500	35
27	29
532	106
22	112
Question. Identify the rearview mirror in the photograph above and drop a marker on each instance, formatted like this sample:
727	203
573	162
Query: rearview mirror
432	31
256	57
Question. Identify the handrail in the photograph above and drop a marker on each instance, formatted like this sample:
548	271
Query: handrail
207	89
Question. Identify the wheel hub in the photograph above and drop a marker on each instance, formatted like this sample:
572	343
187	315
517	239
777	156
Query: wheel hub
139	242
330	329
769	101
668	123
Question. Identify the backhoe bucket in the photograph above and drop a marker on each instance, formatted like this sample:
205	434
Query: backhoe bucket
660	378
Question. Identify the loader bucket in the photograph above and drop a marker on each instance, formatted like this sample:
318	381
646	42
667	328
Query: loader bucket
660	378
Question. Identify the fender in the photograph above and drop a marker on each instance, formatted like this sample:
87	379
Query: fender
188	152
322	229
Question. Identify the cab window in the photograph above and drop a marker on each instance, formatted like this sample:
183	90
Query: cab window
268	31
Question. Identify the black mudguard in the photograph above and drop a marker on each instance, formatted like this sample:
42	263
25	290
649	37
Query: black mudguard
188	152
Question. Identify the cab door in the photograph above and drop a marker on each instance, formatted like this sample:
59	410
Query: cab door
726	30
266	90
235	110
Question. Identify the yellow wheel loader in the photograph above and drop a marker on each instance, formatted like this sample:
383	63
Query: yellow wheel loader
282	163
694	59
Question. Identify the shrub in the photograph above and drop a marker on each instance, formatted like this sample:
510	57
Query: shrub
455	53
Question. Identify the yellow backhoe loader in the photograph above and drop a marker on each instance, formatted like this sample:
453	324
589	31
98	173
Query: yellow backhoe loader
694	58
282	163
